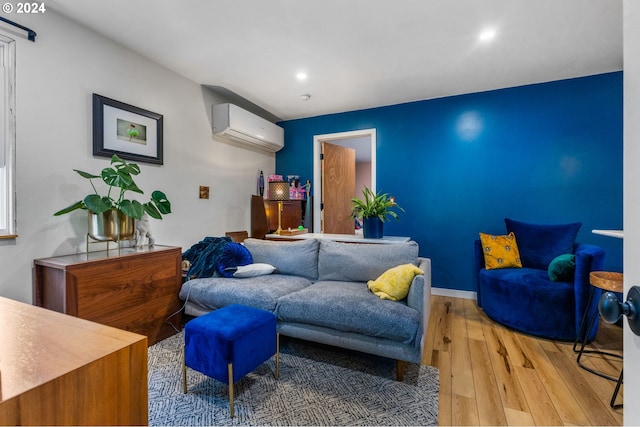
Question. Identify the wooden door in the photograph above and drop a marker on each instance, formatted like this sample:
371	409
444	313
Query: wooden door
338	188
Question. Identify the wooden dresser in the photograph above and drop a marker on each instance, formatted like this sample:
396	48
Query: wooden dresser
135	290
291	215
61	370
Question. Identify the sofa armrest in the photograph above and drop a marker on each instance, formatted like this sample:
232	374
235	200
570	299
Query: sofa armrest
588	258
420	286
419	297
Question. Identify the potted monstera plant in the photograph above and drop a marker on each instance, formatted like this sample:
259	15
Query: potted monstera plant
112	216
374	209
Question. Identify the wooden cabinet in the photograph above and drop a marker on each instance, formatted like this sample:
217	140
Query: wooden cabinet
61	370
135	290
291	214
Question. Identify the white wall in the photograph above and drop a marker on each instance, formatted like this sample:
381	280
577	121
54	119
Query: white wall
56	77
363	177
631	211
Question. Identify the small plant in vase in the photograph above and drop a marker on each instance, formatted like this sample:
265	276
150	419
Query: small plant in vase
114	209
374	209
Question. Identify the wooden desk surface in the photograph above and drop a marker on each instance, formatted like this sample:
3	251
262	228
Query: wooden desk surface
38	347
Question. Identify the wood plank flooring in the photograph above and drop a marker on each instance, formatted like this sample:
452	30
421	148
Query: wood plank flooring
492	375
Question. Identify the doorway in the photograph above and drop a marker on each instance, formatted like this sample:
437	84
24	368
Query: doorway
364	144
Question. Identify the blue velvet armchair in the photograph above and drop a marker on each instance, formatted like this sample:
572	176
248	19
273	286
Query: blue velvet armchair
526	299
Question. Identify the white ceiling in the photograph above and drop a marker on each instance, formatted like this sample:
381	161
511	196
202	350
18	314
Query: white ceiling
361	53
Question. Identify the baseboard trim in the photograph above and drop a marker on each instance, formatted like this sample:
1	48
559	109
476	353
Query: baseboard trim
454	293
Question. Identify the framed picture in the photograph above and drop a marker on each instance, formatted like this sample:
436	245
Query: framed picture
130	132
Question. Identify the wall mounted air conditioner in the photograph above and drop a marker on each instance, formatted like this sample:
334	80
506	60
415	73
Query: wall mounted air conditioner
239	125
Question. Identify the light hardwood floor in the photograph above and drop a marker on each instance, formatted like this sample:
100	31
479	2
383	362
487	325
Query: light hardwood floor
491	375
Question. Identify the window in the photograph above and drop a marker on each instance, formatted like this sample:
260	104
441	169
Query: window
7	138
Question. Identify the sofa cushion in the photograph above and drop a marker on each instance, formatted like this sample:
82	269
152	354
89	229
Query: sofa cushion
297	258
350	307
259	292
541	243
361	262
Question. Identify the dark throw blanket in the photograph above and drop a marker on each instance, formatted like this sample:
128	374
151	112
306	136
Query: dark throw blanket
204	256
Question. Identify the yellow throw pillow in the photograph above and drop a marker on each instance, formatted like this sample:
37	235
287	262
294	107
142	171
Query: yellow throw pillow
500	251
394	283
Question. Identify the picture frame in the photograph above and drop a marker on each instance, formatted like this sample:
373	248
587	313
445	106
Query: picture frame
128	131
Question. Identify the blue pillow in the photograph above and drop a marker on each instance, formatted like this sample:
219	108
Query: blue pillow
233	255
539	244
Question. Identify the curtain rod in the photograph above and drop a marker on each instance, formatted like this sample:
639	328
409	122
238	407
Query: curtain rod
31	35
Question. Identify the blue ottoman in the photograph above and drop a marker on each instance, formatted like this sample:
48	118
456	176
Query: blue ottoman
230	342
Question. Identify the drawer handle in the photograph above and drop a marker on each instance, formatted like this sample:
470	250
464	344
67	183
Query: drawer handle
612	310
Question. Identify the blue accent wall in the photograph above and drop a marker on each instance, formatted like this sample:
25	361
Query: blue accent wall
543	153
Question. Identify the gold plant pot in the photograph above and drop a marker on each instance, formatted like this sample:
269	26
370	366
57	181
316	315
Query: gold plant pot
111	225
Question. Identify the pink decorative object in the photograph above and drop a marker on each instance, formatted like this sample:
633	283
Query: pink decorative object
296	193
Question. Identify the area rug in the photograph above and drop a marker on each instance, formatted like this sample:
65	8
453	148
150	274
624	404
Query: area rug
318	385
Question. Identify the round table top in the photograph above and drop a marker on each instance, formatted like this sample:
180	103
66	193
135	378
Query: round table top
607	280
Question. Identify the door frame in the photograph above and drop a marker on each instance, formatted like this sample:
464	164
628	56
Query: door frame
335	138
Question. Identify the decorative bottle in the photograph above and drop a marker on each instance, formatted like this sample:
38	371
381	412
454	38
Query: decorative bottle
261	184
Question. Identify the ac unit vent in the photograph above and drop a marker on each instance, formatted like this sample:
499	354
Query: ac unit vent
237	124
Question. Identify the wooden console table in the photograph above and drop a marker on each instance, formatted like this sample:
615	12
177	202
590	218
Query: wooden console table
344	238
61	370
135	290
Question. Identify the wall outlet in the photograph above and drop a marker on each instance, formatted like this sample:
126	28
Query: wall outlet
204	192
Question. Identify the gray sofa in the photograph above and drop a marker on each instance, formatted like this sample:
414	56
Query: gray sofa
319	293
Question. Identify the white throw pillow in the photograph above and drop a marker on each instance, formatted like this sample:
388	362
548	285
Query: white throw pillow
253	270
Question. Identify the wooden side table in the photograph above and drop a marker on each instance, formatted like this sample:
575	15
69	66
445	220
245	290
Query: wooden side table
344	238
135	290
607	281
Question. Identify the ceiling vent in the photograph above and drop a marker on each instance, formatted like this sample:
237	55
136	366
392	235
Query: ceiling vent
239	125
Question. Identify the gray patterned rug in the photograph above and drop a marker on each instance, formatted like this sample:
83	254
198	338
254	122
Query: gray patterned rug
318	385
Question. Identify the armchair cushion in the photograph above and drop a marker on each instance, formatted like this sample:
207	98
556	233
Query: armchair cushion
525	299
539	244
562	268
500	251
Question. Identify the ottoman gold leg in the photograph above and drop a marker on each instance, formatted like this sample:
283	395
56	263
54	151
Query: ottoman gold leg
184	373
230	367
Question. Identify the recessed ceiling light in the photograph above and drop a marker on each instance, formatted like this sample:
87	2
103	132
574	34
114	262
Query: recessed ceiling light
487	34
301	76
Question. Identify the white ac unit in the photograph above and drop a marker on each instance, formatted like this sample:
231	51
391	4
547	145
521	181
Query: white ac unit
237	124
